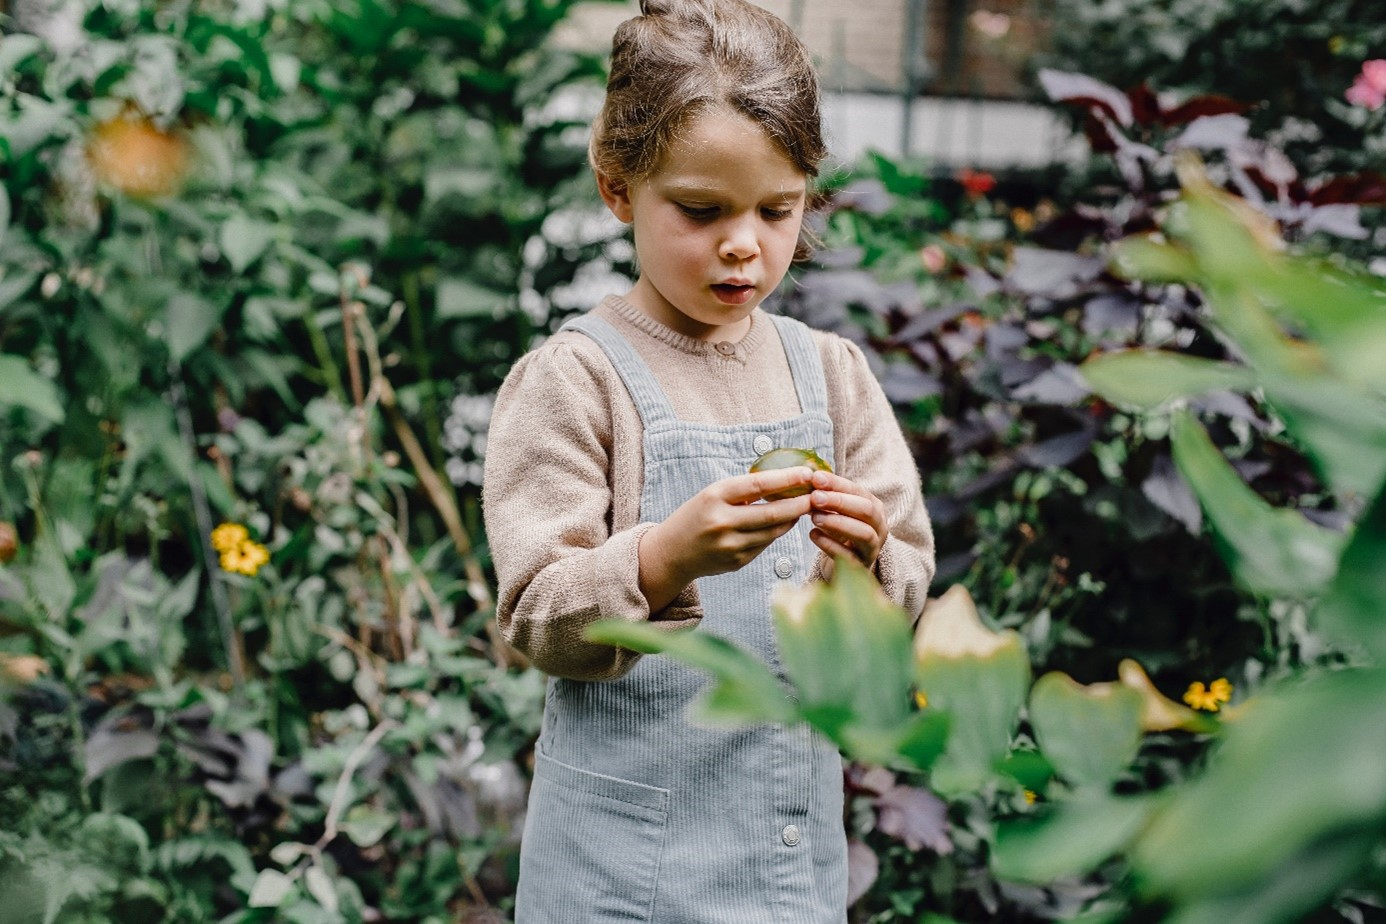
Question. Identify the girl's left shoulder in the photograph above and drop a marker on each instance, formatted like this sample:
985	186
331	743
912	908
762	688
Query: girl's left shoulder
842	358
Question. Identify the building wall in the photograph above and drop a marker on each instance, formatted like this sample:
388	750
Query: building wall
971	110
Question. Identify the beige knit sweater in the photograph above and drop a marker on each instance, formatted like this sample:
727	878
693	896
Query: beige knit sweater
564	471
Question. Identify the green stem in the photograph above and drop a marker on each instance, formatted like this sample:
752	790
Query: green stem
423	364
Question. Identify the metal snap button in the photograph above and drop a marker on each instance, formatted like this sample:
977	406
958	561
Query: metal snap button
783	567
724	347
790	835
762	444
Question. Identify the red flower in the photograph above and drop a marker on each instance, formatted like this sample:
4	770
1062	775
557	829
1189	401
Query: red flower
976	182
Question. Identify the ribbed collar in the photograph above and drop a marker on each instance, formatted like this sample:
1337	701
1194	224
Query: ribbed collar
684	343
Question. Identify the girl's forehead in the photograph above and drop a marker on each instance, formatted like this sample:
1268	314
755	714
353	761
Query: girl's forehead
725	150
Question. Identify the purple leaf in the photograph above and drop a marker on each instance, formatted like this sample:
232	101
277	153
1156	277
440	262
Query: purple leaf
1060	384
1005	339
1339	218
1213	133
109	746
1070	87
915	816
868	196
1166	488
1051	273
904	383
1112	314
862	869
926	322
1058	451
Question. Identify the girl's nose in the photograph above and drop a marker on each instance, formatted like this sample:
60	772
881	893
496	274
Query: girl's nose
740	242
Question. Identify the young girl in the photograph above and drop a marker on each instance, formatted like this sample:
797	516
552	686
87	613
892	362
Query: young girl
617	487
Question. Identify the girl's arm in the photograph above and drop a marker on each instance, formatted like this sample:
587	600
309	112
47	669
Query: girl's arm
870	451
550	499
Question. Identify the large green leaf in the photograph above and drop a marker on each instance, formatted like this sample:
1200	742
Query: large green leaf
1070	838
979	678
21	386
1273	552
1354	609
191	320
1089	733
846	648
1298	766
243	239
743	690
1149	378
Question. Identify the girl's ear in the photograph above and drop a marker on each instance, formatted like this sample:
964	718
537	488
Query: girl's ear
616	195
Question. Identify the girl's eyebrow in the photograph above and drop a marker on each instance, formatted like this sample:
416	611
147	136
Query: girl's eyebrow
715	191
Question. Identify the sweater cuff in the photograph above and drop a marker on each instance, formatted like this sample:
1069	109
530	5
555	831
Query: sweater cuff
898	571
617	590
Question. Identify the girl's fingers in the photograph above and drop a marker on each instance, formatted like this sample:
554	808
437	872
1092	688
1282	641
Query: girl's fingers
745	489
830	546
852	534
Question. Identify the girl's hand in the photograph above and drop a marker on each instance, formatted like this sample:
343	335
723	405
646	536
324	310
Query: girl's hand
847	519
719	529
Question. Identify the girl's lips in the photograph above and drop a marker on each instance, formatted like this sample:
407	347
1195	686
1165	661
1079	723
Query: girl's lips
733	295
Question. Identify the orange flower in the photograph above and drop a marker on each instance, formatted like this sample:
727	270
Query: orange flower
137	157
1209	698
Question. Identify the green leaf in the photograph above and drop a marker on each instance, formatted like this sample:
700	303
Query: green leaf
4	214
1273	552
1070	839
743	691
846	650
1342	428
1354	609
1089	733
270	890
1149	260
242	239
976	676
191	320
1298	766
21	386
459	297
1150	378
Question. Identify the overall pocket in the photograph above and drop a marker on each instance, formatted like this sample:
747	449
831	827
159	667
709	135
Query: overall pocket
591	849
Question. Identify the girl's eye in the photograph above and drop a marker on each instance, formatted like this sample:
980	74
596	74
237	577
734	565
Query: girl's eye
699	212
776	214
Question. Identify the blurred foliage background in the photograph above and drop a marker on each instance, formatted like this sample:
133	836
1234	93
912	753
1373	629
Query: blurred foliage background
262	267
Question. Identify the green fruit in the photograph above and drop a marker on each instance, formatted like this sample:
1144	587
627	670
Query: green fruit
790	458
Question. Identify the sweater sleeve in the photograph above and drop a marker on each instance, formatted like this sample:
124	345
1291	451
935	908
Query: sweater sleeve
548	499
871	450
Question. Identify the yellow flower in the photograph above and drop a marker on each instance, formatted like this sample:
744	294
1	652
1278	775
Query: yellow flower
1208	698
247	558
1031	797
921	700
1023	219
229	536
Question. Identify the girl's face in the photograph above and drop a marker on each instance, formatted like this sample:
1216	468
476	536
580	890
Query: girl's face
715	226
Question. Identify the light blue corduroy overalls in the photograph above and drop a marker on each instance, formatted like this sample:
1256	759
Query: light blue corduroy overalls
636	815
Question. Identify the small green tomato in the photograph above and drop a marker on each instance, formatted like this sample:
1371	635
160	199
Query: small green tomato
784	457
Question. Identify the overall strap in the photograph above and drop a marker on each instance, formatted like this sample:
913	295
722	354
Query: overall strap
805	364
650	400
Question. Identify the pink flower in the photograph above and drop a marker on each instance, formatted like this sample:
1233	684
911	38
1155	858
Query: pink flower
934	258
1369	89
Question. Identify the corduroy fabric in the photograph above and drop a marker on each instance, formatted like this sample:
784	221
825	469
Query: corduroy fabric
637	815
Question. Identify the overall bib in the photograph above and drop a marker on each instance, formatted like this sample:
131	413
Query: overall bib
637	815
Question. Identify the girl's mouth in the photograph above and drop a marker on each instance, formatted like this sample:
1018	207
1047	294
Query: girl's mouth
733	295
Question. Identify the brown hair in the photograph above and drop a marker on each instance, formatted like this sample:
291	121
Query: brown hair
680	58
